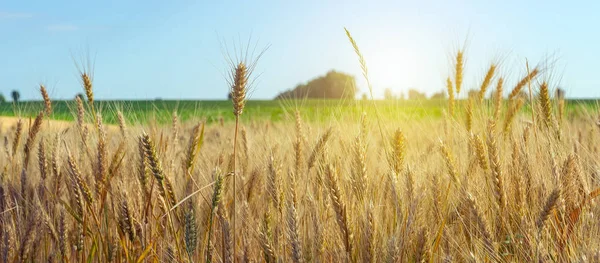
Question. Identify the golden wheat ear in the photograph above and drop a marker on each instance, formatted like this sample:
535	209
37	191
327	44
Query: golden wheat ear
486	81
458	70
450	89
47	102
238	90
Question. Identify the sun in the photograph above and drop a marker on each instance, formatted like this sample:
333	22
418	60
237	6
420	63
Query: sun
393	68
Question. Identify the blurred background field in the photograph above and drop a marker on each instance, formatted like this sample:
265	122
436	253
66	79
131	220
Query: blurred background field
313	110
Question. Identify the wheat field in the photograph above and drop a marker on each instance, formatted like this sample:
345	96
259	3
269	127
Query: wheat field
488	182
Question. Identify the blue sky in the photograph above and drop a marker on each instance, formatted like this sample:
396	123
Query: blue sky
172	49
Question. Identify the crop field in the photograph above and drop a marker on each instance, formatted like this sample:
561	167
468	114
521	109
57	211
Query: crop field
215	111
498	177
313	110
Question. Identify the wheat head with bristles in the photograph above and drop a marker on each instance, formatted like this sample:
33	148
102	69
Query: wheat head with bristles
42	160
469	115
341	210
551	203
318	149
122	123
450	162
17	137
545	105
47	102
450	89
511	114
33	131
238	90
495	167
486	81
396	160
458	70
86	81
481	153
528	78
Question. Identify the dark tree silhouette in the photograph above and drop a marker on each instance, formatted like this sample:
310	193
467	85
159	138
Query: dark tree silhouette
2	98
334	85
15	96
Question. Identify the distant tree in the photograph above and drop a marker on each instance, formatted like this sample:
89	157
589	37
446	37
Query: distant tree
473	94
439	95
15	96
334	85
388	95
229	96
80	96
560	93
364	96
414	94
2	98
402	96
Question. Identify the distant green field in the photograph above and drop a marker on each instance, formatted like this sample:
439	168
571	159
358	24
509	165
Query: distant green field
138	111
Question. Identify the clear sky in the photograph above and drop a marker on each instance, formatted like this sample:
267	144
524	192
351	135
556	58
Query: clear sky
172	49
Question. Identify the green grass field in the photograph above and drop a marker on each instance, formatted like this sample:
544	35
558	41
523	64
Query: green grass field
160	111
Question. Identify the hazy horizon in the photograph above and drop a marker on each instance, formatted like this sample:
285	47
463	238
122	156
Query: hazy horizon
153	49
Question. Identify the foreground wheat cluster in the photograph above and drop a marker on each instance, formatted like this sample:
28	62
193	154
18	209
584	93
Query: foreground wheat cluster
489	182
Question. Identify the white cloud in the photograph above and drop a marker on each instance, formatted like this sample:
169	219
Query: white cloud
11	15
61	28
